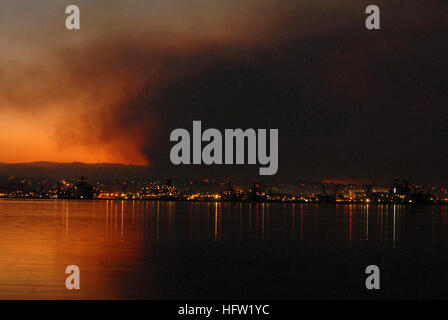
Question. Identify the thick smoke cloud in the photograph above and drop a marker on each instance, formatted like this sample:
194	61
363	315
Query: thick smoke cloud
348	103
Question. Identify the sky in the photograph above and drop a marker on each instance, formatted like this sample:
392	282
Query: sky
349	103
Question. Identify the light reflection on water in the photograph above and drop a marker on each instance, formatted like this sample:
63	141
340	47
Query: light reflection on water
109	240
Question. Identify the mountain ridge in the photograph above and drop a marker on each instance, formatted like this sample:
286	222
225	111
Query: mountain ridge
73	170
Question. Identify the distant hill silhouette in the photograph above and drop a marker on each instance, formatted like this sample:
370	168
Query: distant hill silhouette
73	170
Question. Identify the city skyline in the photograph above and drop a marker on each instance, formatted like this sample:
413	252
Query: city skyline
401	191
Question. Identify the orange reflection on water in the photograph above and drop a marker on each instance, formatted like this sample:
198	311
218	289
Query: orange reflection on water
38	239
117	244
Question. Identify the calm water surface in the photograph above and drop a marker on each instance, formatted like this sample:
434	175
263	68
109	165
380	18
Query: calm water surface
186	250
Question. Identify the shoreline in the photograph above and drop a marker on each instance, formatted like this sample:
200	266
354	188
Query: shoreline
231	201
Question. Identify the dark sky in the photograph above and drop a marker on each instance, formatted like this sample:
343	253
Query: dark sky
349	103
